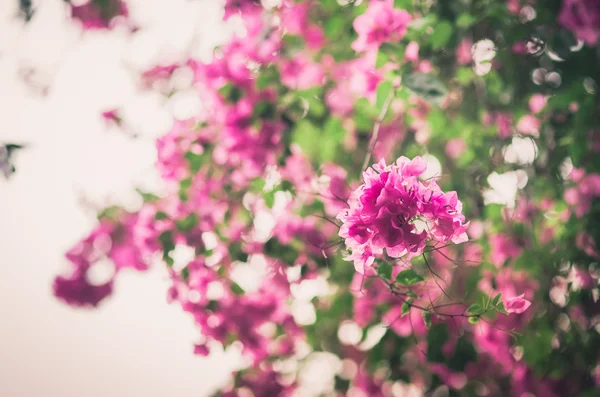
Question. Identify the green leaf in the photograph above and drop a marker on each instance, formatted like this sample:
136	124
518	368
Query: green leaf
441	35
231	93
364	114
496	299
382	59
334	135
437	337
405	308
160	216
427	319
196	160
147	197
269	198
408	277
384	90
185	274
184	185
464	353
188	223
111	213
465	20
305	134
475	309
334	26
501	308
166	241
403	4
384	269
258	184
465	75
264	110
427	86
421	24
236	289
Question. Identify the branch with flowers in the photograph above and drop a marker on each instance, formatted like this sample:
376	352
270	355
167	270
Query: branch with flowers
472	234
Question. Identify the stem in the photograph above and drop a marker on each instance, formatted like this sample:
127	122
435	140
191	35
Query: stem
376	127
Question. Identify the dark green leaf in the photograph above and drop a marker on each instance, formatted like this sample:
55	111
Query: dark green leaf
384	269
437	337
427	319
496	299
408	277
188	223
405	308
426	86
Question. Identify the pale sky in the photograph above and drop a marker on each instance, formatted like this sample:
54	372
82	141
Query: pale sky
135	344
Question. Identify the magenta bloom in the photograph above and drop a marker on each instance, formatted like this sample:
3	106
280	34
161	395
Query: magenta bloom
112	117
76	290
301	73
99	14
503	247
517	305
393	210
233	7
381	23
583	18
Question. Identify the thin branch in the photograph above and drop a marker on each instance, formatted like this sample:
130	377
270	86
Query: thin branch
376	127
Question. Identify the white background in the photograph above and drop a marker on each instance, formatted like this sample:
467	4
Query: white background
135	344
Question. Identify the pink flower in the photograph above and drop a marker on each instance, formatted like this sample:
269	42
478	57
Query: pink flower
513	6
475	229
504	124
425	67
98	14
520	47
583	194
245	7
295	20
76	290
455	148
583	18
384	209
381	23
411	53
112	117
112	241
516	305
503	247
537	102
586	243
463	51
201	350
300	73
529	125
158	73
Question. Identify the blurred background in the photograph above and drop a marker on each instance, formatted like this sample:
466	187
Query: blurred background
55	81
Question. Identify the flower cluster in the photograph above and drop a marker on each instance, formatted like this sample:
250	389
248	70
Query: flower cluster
583	18
381	23
99	14
395	211
254	180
